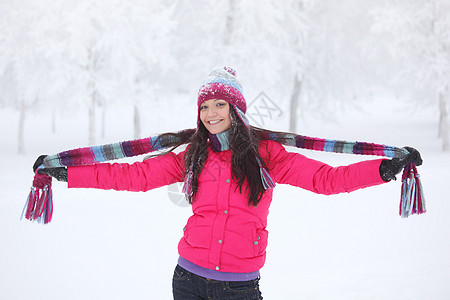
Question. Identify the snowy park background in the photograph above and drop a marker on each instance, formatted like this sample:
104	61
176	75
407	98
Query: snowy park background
78	73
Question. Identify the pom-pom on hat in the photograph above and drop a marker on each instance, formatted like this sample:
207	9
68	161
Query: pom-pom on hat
222	84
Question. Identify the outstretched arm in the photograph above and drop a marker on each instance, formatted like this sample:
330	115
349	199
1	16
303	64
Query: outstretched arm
318	177
139	176
322	178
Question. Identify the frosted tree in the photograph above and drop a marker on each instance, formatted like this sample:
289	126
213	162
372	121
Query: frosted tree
25	61
7	82
85	53
255	36
141	54
420	39
247	35
274	44
197	40
299	54
290	49
31	48
7	88
243	34
122	49
323	60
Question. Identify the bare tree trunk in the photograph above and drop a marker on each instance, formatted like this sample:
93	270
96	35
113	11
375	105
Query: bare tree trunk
443	123
137	122
295	100
91	136
91	66
20	137
53	121
103	121
229	22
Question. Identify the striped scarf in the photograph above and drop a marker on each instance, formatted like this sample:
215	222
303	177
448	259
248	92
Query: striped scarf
39	205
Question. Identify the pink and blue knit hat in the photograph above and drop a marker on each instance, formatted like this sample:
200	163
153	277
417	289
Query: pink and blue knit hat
222	84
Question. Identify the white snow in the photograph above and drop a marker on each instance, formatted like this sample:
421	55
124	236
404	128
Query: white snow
123	245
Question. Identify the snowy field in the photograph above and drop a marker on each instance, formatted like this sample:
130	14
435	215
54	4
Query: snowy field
122	245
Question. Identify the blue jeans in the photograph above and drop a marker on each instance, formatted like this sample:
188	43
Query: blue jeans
188	286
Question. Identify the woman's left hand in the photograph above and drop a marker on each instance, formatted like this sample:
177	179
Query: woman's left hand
390	168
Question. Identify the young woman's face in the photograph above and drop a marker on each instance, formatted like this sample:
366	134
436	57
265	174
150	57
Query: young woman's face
215	115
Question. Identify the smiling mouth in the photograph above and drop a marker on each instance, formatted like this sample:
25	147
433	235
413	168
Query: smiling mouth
214	122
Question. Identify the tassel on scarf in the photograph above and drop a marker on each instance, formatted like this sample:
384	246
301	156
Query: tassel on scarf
187	187
267	181
39	205
412	200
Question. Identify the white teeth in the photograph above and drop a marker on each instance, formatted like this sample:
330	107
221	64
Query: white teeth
214	122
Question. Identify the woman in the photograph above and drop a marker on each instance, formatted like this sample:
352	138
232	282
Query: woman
229	169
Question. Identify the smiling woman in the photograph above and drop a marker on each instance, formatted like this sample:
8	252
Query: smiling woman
215	115
229	170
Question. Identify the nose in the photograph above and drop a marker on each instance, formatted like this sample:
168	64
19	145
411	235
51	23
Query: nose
211	112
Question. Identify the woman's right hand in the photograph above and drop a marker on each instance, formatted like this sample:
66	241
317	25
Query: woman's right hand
59	173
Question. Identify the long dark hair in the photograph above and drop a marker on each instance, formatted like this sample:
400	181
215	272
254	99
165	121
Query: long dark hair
244	145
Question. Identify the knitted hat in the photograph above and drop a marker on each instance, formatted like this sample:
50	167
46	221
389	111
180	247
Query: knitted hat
222	84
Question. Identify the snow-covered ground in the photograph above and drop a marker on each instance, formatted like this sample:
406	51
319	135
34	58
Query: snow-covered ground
121	245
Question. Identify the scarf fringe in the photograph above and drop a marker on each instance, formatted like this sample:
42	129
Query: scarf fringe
267	181
187	187
39	204
412	199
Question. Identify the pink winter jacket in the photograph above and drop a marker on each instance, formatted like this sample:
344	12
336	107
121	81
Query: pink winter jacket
225	233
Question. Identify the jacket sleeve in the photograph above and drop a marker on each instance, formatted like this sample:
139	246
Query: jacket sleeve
298	170
139	176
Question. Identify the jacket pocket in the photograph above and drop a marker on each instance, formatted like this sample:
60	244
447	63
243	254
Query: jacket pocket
198	236
260	236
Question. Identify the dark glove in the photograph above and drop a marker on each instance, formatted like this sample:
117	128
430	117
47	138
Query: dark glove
39	161
390	168
59	173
